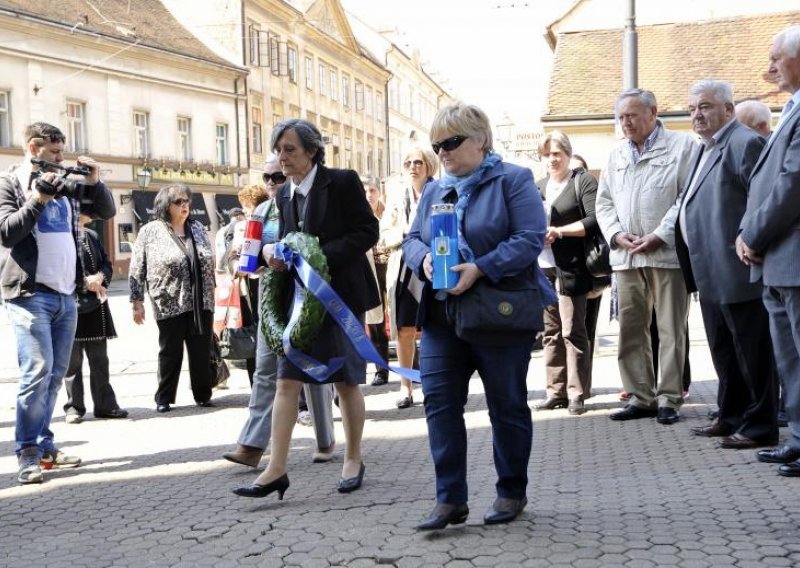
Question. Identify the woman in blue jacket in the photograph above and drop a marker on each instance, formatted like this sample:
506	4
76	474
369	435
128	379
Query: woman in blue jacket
501	232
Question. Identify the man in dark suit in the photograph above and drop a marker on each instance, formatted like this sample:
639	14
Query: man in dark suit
769	239
736	322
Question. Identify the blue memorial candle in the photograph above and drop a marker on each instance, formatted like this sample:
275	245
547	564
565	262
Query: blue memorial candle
444	245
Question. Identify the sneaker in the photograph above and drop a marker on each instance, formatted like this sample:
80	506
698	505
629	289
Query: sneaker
73	419
58	459
304	418
29	470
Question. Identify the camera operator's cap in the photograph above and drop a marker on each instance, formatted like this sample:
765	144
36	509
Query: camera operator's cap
234	211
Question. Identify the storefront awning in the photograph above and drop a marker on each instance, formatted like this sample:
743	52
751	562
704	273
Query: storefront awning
225	202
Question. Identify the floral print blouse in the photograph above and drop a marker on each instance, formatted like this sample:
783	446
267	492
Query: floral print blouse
162	268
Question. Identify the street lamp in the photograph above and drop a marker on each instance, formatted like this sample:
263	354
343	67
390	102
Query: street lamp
143	177
505	131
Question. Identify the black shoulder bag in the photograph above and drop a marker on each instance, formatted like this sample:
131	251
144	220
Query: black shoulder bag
595	246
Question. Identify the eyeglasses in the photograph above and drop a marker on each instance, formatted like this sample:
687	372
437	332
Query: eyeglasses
180	201
448	144
275	178
416	163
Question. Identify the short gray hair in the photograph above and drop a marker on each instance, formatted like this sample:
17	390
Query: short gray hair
647	98
756	110
788	41
722	90
557	138
310	137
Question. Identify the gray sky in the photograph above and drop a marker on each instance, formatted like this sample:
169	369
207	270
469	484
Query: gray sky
492	52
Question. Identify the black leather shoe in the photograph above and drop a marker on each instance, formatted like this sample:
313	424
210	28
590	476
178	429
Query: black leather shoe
552	404
380	379
206	404
576	407
162	408
631	412
713	414
114	413
351	484
280	485
791	469
783	454
504	510
740	442
713	430
667	415
444	514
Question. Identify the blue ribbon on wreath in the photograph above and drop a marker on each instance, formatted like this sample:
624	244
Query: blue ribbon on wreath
306	277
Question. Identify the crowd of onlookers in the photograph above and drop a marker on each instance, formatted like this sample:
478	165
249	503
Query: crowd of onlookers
717	214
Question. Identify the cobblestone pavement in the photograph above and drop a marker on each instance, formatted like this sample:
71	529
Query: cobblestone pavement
154	491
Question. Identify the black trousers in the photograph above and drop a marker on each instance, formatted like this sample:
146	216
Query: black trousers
173	333
741	350
103	396
377	331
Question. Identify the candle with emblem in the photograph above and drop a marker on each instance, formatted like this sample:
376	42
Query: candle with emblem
444	245
251	247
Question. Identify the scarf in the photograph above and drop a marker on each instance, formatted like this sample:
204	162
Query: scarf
464	186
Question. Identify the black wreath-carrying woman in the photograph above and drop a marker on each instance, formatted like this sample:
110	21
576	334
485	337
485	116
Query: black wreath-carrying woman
174	263
331	205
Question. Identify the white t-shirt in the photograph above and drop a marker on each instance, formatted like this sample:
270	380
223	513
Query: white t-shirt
57	254
551	192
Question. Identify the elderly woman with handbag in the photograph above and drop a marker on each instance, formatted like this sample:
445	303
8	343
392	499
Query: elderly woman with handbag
501	227
569	196
173	261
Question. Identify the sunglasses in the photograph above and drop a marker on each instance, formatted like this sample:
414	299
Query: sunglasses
448	144
416	163
180	201
275	178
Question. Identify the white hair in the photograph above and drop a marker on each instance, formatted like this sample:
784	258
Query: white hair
722	90
758	111
788	41
647	98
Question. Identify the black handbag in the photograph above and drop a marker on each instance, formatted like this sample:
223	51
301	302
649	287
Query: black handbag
218	368
87	302
596	249
239	343
513	306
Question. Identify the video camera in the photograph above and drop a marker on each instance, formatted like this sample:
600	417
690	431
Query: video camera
61	185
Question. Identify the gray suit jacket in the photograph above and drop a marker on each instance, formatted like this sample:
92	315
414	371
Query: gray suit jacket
771	224
714	211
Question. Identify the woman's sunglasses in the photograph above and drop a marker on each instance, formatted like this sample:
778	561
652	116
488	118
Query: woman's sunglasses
275	178
448	144
416	163
180	201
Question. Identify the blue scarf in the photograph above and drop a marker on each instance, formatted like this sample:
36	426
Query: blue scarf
464	185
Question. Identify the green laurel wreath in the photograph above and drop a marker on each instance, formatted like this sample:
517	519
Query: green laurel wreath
276	293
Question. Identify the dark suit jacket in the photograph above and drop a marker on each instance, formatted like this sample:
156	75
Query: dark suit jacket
337	212
713	214
771	225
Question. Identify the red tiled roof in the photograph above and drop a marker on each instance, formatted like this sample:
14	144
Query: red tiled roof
587	67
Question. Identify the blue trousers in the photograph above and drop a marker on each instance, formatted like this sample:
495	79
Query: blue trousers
446	365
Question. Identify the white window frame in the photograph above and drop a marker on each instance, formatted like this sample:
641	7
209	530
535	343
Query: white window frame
221	143
141	133
309	73
323	79
257	129
5	118
184	127
291	58
76	127
333	84
346	90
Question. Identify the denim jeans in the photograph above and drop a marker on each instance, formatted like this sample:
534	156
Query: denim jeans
44	325
446	365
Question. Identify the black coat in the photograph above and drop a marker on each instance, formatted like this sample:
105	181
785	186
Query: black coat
337	212
570	252
97	324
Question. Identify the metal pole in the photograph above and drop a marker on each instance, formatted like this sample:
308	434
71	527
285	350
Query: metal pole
630	55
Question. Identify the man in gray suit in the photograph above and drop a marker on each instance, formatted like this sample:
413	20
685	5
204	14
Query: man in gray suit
769	239
736	322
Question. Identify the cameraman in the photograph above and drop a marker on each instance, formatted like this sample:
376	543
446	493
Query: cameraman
40	270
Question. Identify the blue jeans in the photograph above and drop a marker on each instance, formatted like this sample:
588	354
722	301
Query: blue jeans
44	325
446	365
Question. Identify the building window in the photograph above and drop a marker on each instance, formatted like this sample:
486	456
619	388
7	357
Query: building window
346	90
379	102
222	144
292	59
76	127
276	118
334	84
309	73
141	137
5	119
359	95
368	101
255	47
184	138
274	55
256	129
323	81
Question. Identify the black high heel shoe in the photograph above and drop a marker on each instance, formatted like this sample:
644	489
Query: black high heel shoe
351	483
255	490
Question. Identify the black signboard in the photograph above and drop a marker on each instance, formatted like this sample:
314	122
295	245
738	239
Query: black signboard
225	202
143	207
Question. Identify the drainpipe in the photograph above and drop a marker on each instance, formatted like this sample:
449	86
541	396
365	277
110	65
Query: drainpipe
630	54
